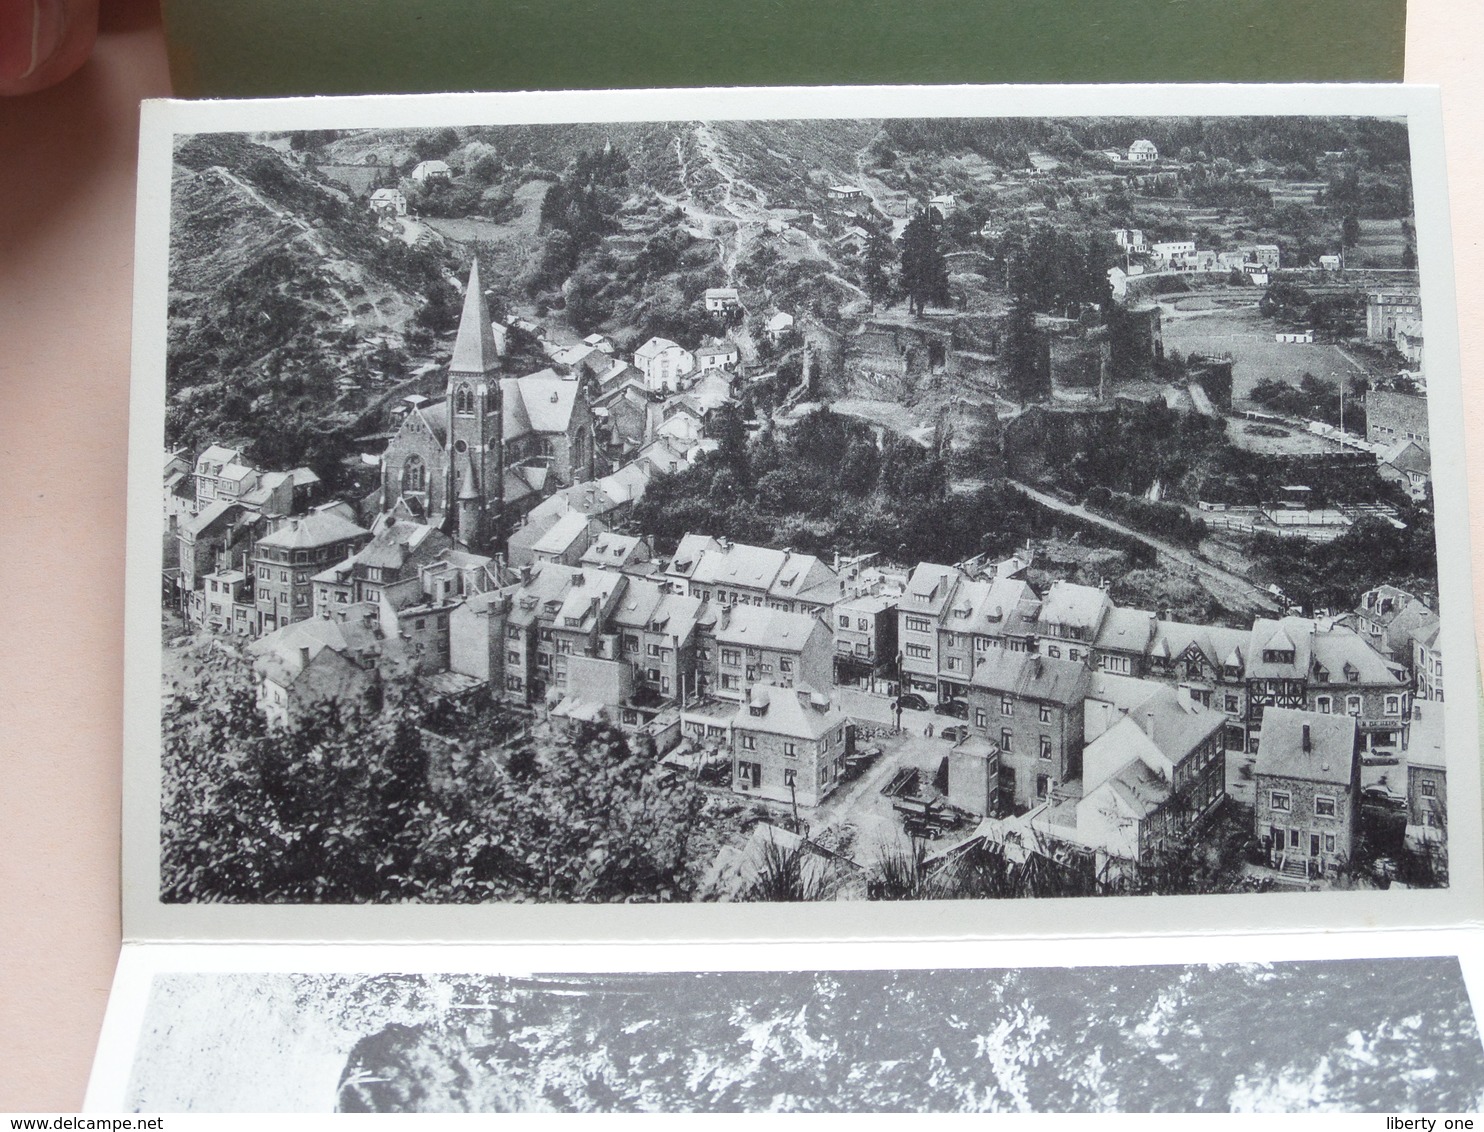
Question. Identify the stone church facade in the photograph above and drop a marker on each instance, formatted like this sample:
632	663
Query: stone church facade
475	461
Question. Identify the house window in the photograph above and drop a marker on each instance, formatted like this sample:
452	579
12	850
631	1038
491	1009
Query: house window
653	650
981	717
1045	713
1324	806
749	742
917	624
951	664
1393	705
785	664
1280	800
512	657
1053	651
1352	705
921	652
1007	706
1231	705
1045	746
844	621
1043	785
463	400
790	776
513	683
791	750
564	648
1005	737
1329	842
729	681
731	656
1323	704
1429	788
513	633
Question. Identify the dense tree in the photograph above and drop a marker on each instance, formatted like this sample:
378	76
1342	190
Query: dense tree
924	271
1027	361
876	264
361	802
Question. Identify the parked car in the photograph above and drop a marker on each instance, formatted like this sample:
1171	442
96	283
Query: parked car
956	732
1379	797
911	701
956	708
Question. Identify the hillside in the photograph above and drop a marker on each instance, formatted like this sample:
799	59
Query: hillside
289	314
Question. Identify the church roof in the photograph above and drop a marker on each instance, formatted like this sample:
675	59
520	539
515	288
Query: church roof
539	402
474	350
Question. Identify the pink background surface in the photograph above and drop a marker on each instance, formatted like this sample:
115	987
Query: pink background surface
66	257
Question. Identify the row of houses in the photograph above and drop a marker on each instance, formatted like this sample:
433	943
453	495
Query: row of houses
950	624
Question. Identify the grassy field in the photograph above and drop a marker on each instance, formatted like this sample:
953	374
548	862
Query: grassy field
1381	245
1248	338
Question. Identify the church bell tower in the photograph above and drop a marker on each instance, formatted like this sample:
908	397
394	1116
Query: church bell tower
475	427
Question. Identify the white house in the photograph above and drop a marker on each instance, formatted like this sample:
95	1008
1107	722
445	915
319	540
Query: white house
779	325
663	363
427	171
716	353
722	299
1143	150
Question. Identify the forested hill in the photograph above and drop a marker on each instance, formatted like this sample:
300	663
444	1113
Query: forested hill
279	289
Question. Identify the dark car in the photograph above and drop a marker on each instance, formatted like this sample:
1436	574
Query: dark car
1379	798
956	708
956	732
911	701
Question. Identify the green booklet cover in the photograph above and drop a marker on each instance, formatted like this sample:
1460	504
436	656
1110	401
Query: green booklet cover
248	48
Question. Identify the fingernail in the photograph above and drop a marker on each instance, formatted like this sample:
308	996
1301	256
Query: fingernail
30	31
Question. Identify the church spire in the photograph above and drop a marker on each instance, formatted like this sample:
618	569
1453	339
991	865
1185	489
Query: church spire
474	349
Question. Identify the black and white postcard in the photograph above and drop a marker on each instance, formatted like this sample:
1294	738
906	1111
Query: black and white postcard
1256	1025
801	513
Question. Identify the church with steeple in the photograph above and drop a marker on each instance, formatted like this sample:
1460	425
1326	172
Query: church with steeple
474	462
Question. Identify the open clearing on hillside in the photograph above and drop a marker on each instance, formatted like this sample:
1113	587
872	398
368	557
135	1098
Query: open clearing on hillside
1248	338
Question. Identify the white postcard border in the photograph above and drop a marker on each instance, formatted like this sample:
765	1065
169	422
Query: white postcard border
146	917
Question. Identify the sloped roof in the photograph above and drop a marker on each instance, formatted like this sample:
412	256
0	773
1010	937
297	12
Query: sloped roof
1135	789
1409	456
559	538
760	627
1033	677
1337	648
609	549
211	514
1280	751
930	587
541	401
318	528
655	347
788	711
637	606
1075	606
1130	630
1175	723
1289	633
474	350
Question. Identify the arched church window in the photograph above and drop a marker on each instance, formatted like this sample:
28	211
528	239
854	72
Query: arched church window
463	401
414	474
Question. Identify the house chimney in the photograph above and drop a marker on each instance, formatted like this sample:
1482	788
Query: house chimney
1308	742
1149	725
304	655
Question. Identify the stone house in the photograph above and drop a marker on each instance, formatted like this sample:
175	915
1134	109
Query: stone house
788	745
1306	790
1031	708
